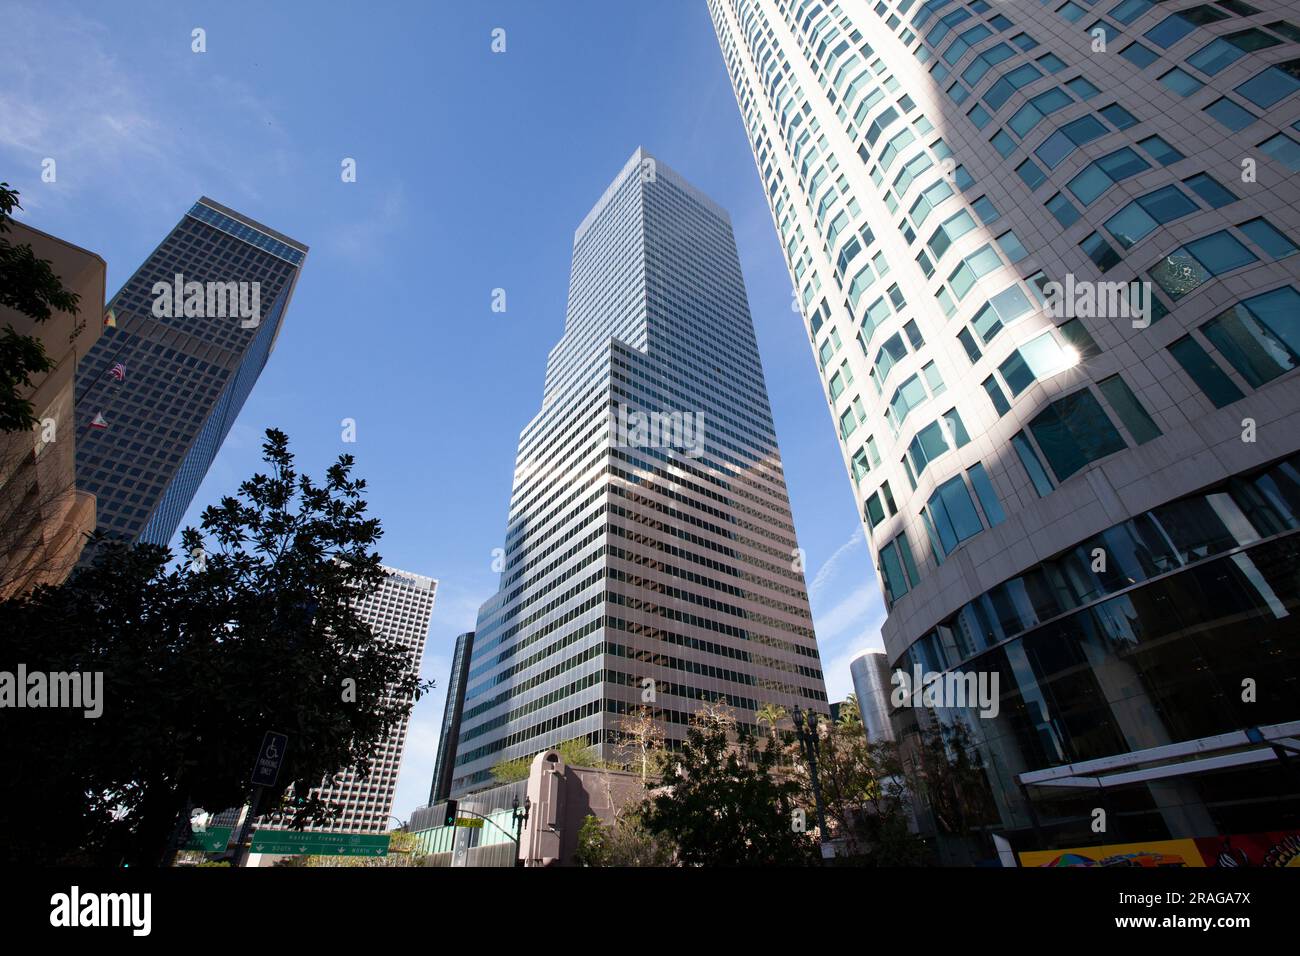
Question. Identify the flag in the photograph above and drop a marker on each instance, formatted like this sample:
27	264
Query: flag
118	372
99	421
110	319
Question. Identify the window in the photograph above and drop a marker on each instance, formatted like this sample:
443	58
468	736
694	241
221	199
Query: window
1039	358
1099	176
1187	267
1003	309
1209	378
1100	251
1129	10
954	515
1003	143
1181	82
1139	218
953	228
979	480
1033	466
994	392
1230	114
1130	411
1118	117
905	398
1222	52
1078	338
1210	190
1263	234
1272	85
1012	246
1063	142
1283	149
1063	210
1253	347
894	557
1139	55
1031	174
968	343
875	511
1074	431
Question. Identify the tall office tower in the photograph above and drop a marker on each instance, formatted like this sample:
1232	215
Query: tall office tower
650	558
399	610
191	332
444	764
871	682
1046	261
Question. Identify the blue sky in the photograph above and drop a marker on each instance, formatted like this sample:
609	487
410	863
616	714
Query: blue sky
473	169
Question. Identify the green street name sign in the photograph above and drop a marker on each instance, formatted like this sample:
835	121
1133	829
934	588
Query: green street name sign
292	842
474	823
211	840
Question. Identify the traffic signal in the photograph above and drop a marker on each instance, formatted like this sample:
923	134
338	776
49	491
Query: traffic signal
450	819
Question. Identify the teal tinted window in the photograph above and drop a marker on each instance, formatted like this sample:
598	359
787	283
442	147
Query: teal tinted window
1130	411
1139	55
1263	234
994	392
1220	252
1074	431
1279	312
1209	378
1160	151
1209	189
1033	466
1283	149
979	480
1272	85
1235	117
954	515
1252	349
1181	82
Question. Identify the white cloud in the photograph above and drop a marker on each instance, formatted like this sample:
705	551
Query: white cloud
827	571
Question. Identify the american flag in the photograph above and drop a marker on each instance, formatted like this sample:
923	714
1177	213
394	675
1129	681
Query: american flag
118	372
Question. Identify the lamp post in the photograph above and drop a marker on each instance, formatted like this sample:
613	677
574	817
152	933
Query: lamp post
520	816
805	725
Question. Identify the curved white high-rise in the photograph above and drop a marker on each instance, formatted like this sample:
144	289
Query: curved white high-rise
1046	257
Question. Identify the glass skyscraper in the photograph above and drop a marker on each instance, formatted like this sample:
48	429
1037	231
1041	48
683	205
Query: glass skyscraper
1047	263
160	390
650	558
445	761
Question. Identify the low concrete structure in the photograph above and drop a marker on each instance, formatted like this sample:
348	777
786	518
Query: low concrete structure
559	796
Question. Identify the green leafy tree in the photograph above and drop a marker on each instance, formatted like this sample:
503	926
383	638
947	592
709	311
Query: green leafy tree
722	804
863	792
257	631
28	285
592	843
510	771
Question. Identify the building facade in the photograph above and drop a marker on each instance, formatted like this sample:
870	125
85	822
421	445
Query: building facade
189	334
650	558
1062	235
444	763
871	683
400	610
44	515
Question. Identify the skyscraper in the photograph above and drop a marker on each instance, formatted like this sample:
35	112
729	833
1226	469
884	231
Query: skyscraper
872	685
444	763
189	334
400	610
1045	256
650	558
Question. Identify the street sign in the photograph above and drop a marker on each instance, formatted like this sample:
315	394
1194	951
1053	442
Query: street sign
474	823
211	840
293	842
267	767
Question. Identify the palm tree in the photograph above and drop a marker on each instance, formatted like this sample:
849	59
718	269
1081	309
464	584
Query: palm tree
850	711
770	714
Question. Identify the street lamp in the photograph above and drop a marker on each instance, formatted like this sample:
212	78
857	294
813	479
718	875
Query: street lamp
811	743
520	814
